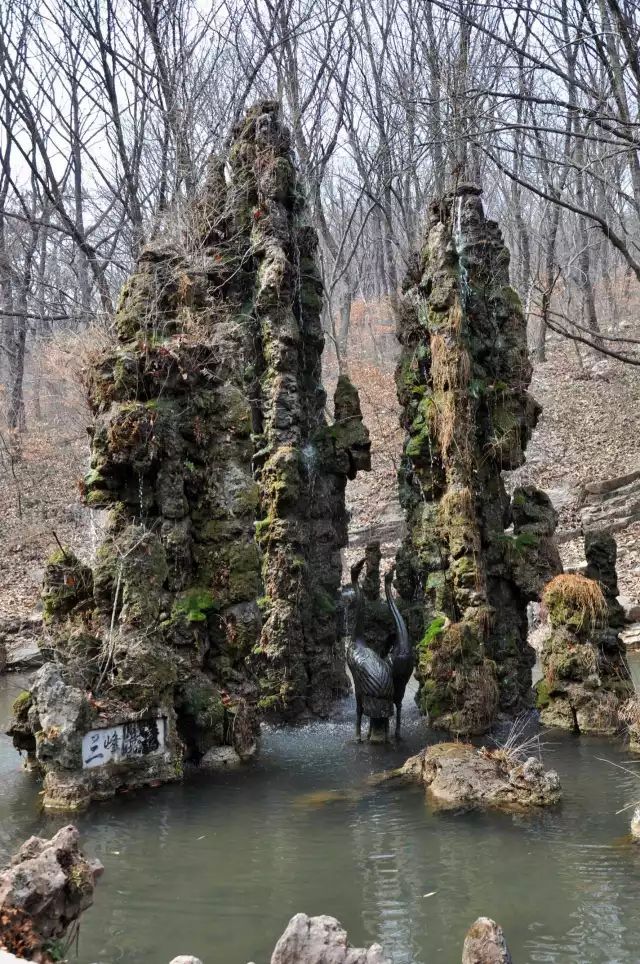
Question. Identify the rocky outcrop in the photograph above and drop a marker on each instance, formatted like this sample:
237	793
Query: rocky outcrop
610	505
586	685
214	595
458	774
485	944
462	383
46	887
533	552
321	940
19	642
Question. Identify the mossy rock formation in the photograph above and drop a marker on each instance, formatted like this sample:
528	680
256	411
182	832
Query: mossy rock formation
587	685
214	593
462	383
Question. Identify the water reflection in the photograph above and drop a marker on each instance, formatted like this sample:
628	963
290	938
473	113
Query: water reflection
216	866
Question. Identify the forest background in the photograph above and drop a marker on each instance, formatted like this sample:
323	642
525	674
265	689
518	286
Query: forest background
109	110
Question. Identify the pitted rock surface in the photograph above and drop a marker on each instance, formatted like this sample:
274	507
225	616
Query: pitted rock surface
214	596
46	887
462	384
458	774
321	940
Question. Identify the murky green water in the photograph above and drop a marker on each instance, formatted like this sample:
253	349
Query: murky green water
216	866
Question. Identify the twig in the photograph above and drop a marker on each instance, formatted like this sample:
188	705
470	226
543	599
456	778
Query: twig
60	546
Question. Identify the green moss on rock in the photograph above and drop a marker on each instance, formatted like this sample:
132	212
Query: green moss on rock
195	604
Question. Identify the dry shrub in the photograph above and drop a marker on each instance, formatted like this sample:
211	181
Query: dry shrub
445	420
629	713
576	600
443	364
66	356
456	317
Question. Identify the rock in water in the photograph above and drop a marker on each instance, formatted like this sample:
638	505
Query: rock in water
48	884
462	384
587	685
215	592
485	944
458	774
635	824
321	940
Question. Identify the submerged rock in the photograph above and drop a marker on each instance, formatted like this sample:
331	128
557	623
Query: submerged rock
321	940
587	685
214	597
462	384
485	944
458	774
48	884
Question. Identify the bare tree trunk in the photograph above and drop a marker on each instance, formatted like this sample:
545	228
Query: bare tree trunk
550	277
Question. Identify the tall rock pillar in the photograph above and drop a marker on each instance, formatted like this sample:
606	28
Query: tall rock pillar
214	596
462	383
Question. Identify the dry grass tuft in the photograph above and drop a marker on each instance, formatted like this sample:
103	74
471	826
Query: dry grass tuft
629	712
577	600
450	365
519	744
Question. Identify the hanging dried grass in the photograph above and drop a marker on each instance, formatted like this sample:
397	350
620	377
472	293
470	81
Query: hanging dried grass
575	599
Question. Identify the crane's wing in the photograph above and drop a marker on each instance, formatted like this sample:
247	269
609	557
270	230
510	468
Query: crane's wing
371	674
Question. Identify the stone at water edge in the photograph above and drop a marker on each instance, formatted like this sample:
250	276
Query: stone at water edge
635	824
458	774
485	944
321	940
185	959
46	887
219	757
586	686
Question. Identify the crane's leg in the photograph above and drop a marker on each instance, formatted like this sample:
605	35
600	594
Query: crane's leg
359	719
369	730
398	719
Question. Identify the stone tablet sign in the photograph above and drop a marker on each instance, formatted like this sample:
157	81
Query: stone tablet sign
126	741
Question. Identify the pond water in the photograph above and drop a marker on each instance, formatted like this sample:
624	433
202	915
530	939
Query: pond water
217	865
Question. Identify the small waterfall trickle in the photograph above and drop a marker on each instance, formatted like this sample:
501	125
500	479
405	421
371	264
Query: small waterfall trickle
459	245
310	461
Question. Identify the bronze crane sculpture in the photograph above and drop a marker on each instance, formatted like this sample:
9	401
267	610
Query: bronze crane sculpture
372	679
400	658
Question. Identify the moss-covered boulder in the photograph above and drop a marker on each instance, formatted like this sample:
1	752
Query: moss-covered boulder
586	685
